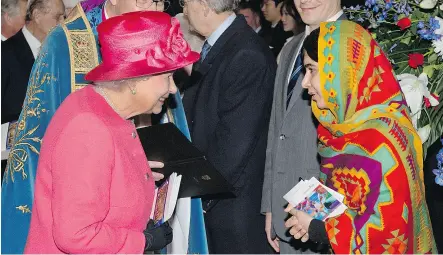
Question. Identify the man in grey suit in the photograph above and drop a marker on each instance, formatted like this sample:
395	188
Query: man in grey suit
292	138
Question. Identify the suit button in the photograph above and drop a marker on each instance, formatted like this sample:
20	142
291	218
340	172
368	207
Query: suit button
134	135
282	137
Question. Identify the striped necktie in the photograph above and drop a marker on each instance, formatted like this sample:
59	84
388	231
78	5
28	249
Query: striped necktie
205	50
294	76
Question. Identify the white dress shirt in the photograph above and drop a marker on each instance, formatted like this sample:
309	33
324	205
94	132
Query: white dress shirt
4	38
33	42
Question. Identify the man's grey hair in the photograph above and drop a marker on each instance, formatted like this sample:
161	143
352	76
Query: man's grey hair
11	7
219	6
42	5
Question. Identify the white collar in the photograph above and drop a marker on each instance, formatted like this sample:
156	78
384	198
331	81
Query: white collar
258	29
222	28
33	42
104	10
274	25
333	18
4	38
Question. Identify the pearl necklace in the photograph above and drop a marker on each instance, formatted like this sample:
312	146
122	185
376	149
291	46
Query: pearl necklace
105	96
103	93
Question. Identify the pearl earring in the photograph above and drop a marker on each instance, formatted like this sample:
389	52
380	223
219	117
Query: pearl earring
133	91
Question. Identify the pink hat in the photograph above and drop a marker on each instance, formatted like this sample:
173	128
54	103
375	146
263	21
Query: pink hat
140	44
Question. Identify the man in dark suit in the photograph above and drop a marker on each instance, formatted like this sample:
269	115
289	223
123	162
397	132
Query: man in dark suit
275	36
292	140
20	51
227	107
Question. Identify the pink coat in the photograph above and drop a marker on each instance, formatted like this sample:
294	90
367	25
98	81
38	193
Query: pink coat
94	188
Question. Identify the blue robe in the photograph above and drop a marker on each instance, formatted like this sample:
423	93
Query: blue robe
69	52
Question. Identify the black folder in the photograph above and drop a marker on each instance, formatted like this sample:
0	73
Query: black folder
167	144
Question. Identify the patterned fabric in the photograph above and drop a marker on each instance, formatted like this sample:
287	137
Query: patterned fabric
370	151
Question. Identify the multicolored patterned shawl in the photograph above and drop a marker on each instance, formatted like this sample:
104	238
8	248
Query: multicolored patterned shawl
370	151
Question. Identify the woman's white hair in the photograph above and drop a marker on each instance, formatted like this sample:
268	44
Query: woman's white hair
119	85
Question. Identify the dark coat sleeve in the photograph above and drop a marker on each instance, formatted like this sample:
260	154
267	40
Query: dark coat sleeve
317	232
243	108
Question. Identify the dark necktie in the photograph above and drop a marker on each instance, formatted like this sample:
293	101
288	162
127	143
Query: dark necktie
298	66
205	50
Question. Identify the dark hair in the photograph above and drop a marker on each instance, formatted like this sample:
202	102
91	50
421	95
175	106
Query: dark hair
289	7
36	5
255	8
310	45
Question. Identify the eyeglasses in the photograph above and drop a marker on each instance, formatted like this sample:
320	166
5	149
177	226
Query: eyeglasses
159	4
184	2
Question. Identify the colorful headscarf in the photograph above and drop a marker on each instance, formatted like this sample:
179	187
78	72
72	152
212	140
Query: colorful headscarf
370	151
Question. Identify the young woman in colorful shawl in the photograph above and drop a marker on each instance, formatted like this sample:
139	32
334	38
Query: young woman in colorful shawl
370	152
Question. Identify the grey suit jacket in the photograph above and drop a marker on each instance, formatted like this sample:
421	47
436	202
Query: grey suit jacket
292	140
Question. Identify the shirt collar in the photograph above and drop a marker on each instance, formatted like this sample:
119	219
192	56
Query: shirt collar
222	28
333	18
4	38
258	29
33	42
105	14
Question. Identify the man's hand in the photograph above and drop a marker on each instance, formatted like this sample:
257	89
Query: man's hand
156	164
268	225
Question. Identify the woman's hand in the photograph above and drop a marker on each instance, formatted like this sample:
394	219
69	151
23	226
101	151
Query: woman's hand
299	223
156	164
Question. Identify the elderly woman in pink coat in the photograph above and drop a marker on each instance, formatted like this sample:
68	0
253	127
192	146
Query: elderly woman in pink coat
94	187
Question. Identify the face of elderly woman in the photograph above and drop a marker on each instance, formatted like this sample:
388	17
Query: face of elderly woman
311	81
153	92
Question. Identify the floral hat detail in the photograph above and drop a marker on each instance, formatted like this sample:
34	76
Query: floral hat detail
139	44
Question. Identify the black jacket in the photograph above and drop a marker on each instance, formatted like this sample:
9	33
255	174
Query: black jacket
17	61
228	106
275	37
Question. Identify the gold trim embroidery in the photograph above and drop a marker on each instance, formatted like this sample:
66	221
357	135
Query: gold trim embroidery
83	50
23	208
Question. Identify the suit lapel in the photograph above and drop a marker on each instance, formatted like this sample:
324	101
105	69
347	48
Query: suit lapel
297	88
206	65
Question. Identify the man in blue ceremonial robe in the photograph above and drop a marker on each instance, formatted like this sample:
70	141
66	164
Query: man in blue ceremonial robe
70	51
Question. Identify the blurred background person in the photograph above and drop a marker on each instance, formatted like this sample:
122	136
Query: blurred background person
252	16
20	51
277	36
13	17
291	21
